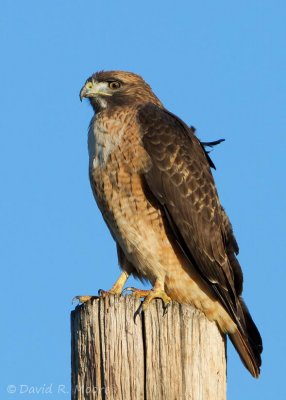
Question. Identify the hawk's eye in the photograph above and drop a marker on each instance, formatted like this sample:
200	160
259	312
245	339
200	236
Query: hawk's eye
114	85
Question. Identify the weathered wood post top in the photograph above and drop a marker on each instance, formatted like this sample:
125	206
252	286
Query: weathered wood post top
179	355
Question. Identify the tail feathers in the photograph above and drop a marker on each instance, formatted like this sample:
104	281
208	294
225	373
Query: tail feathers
248	343
251	361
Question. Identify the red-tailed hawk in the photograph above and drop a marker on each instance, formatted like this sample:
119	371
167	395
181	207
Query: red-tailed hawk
152	181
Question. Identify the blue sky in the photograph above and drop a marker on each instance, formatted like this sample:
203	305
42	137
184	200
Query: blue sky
218	65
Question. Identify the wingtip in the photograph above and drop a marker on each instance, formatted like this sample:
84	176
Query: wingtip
250	359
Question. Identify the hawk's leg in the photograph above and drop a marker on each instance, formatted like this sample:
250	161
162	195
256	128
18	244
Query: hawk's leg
157	292
116	289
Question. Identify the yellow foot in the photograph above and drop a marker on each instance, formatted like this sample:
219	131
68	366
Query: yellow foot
101	293
149	295
84	299
139	293
116	289
104	293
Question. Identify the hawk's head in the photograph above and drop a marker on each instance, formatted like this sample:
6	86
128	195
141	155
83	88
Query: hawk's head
107	89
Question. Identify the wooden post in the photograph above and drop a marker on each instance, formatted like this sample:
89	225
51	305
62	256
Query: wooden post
176	356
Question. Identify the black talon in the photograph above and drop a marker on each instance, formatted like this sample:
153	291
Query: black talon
74	299
165	308
138	312
83	299
128	289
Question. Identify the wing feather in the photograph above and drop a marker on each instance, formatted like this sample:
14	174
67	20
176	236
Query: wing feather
181	179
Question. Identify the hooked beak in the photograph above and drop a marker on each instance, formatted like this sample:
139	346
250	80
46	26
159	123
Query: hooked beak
83	93
93	91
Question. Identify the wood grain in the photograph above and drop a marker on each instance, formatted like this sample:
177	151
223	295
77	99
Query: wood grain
176	356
